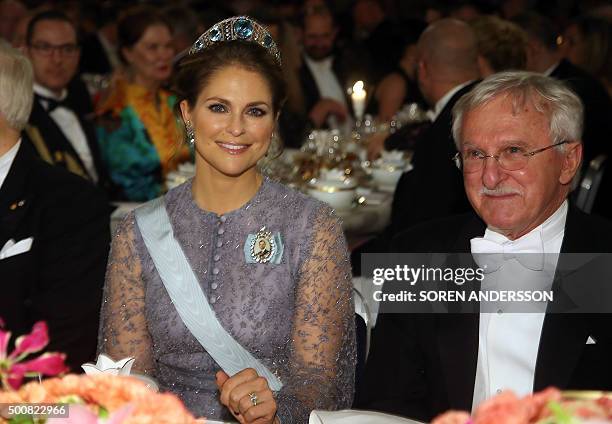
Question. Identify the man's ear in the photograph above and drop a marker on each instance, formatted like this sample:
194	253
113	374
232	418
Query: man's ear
185	110
483	67
572	158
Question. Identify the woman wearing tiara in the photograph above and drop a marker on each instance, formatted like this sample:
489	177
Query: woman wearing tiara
189	292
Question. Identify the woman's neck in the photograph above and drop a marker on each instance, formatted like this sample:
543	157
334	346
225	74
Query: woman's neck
220	194
151	85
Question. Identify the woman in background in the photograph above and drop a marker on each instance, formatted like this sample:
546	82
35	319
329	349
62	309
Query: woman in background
137	130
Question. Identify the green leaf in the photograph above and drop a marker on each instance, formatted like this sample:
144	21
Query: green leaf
561	415
21	419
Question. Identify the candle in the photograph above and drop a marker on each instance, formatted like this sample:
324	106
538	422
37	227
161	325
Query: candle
358	97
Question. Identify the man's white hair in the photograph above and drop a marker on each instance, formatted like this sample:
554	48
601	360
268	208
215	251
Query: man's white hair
16	87
549	96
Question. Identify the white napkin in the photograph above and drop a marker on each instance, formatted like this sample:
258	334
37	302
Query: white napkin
392	156
352	416
11	248
106	365
333	174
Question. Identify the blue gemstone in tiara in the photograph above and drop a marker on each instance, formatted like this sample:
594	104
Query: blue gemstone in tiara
237	28
243	28
268	41
215	34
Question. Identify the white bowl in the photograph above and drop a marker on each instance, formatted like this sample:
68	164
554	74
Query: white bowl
387	175
338	194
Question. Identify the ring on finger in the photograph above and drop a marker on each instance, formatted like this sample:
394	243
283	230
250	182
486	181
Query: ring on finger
254	399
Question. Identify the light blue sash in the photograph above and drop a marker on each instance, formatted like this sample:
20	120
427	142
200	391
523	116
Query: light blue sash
187	296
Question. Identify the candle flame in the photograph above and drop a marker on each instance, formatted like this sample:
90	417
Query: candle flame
358	87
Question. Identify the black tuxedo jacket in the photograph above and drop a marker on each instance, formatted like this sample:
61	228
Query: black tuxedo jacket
53	147
309	85
59	280
93	56
597	108
422	365
434	188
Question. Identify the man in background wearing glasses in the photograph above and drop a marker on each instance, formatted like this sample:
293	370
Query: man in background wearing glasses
518	136
58	127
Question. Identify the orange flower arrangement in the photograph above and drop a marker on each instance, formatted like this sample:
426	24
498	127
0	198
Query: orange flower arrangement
127	400
546	407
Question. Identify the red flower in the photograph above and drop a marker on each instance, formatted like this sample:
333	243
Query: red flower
13	370
32	342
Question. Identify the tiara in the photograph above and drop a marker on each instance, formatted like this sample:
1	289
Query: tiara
237	28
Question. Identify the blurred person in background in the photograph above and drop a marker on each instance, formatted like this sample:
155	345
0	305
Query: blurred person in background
502	45
323	73
400	87
185	26
327	71
292	121
11	11
587	43
446	69
380	36
59	128
99	51
137	131
54	232
544	56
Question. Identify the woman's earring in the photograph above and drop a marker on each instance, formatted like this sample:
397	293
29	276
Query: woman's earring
190	133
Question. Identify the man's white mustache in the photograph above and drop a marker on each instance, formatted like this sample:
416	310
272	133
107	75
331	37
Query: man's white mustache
500	191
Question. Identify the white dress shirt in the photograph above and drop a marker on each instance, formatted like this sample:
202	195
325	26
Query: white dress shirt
327	82
6	160
551	69
508	342
441	104
69	124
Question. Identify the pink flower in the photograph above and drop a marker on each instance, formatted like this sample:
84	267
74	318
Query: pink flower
48	364
32	342
453	417
80	414
4	339
13	370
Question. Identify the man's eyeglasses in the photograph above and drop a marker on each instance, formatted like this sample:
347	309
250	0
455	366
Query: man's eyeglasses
511	158
46	49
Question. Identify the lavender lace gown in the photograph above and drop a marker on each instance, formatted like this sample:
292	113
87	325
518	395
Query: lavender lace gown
295	317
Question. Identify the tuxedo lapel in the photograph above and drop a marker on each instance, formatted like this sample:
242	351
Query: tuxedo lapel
458	333
563	334
53	136
13	200
457	338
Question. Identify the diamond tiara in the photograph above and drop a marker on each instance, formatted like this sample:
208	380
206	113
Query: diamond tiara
237	28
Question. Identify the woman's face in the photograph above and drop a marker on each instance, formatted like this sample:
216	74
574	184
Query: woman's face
151	57
233	121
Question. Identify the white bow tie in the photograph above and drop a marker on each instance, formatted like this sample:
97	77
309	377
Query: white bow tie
528	251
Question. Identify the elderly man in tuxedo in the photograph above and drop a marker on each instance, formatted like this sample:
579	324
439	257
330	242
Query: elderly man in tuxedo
54	232
518	137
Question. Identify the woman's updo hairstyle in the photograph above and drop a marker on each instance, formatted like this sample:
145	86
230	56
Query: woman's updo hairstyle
194	71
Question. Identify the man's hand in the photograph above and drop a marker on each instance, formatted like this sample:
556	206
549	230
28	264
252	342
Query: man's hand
325	107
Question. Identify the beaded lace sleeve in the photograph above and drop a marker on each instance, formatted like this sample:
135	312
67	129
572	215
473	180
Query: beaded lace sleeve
123	327
322	349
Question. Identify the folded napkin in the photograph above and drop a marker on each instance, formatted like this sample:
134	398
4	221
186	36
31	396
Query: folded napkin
106	365
12	249
352	416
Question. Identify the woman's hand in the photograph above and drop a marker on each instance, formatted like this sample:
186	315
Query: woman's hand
248	397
